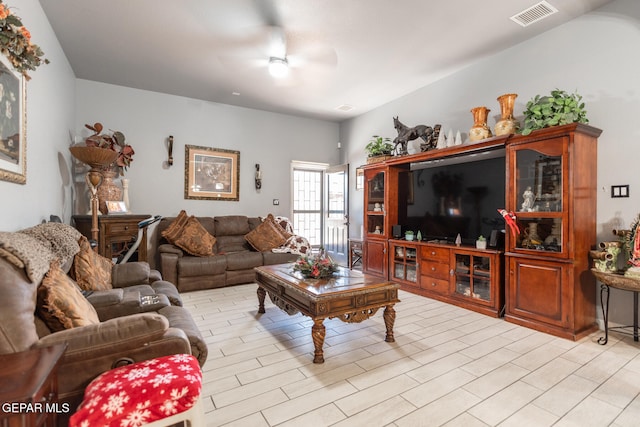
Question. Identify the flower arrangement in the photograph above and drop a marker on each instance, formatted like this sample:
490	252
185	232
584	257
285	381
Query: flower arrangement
15	43
114	142
318	266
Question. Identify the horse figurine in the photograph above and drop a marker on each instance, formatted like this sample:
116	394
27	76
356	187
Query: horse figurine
406	134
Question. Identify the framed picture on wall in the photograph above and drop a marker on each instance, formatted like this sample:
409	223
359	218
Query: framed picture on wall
13	141
211	173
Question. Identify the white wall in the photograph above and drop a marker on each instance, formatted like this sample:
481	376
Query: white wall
50	115
596	54
148	118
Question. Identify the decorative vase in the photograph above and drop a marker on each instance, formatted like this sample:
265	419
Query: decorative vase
108	190
507	124
479	130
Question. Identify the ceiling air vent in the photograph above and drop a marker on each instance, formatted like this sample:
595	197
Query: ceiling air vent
534	14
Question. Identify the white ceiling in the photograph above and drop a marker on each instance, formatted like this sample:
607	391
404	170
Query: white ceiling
362	53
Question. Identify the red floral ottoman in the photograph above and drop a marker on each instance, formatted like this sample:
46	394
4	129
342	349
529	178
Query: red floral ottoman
160	391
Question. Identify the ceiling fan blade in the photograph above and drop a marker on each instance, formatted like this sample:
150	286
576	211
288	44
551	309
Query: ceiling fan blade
277	43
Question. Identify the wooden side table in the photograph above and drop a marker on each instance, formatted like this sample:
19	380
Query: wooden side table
116	235
29	387
617	281
355	252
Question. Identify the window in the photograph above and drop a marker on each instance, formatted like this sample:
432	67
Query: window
307	200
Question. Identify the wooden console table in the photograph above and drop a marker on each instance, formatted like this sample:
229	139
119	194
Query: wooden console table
29	385
617	281
116	234
350	296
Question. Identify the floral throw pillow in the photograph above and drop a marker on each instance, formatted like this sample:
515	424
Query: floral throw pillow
91	270
195	239
266	236
61	304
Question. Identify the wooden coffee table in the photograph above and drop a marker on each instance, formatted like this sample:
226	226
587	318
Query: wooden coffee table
350	296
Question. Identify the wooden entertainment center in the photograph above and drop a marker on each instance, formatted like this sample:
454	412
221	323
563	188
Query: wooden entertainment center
540	277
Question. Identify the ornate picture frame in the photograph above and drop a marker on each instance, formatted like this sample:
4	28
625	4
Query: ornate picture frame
13	124
211	173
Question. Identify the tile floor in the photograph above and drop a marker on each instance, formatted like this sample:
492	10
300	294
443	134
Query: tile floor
448	367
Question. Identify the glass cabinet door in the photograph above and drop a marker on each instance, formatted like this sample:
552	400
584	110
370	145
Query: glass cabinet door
375	204
539	198
472	275
539	182
404	263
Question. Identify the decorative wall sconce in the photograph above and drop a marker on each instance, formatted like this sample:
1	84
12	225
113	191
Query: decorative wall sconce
258	177
170	149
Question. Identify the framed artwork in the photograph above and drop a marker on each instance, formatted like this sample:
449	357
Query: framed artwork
13	111
211	173
359	179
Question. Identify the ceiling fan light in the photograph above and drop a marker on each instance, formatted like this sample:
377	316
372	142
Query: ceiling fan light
278	67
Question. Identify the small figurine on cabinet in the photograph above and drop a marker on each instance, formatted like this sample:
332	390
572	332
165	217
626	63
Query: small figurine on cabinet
406	134
377	230
529	198
377	207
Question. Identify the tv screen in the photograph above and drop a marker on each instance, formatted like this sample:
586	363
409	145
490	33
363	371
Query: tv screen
451	199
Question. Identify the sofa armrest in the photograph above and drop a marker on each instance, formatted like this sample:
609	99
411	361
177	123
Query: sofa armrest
130	273
123	332
111	304
168	248
169	256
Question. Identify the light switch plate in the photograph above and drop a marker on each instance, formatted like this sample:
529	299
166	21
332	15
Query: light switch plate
619	191
276	202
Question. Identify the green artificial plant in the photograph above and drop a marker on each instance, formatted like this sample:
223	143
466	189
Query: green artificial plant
378	146
560	108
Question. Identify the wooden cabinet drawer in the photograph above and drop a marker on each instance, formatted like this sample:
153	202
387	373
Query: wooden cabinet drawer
438	270
432	284
122	229
433	253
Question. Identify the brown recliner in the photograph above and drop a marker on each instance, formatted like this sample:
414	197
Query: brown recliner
93	349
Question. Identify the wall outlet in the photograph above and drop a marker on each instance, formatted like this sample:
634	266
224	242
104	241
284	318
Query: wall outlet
276	202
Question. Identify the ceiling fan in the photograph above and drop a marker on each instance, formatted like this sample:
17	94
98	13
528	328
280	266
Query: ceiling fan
288	56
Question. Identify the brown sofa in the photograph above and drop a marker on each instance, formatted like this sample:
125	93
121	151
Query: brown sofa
232	263
129	326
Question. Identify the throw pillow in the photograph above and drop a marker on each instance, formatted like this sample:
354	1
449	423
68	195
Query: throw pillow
174	230
294	245
282	222
266	236
91	270
195	239
61	304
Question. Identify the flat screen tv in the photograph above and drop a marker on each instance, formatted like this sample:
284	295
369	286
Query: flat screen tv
452	196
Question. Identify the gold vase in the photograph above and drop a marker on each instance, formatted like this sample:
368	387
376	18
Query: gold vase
507	124
108	190
479	130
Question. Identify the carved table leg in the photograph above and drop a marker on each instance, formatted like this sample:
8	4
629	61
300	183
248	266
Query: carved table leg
261	294
389	319
317	333
604	291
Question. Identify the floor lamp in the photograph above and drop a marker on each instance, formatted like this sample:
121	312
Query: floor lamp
96	158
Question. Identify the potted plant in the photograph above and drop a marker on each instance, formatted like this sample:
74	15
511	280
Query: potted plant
408	235
378	149
481	243
560	108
